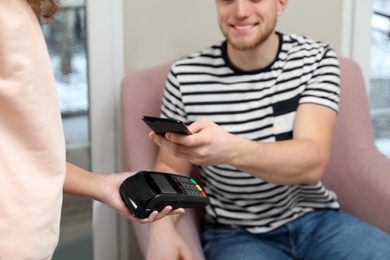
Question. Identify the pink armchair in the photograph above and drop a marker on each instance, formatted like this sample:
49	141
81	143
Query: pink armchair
357	172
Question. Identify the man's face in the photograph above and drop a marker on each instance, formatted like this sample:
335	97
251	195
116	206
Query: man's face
248	23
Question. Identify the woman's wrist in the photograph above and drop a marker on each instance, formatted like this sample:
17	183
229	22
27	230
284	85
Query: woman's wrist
81	182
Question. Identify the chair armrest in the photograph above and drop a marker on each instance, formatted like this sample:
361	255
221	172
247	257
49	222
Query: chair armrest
363	188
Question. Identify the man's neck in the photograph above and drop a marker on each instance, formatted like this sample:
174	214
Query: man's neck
255	58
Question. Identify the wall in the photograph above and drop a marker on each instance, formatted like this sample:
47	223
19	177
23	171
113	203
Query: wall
320	20
157	31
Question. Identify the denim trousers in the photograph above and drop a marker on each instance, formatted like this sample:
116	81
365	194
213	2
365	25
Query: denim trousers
322	234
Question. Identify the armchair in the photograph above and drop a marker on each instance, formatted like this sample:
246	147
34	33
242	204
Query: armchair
357	172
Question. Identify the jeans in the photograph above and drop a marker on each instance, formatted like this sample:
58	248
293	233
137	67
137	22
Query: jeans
321	234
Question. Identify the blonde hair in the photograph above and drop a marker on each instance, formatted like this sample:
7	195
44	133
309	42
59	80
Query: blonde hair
44	8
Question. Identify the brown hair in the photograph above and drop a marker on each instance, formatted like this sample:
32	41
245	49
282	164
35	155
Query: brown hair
44	8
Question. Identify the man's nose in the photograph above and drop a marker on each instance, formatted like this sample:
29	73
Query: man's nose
242	8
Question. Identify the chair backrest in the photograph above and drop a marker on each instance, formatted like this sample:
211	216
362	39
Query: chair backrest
141	96
353	132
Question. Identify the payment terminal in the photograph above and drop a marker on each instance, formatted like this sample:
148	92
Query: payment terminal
147	191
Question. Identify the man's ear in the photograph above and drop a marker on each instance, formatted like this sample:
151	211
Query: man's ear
281	6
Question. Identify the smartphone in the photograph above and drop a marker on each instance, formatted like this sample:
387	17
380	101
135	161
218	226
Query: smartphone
162	125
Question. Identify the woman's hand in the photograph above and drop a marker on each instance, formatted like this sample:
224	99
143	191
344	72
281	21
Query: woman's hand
109	195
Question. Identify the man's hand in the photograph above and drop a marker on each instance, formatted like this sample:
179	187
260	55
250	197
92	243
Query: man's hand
209	144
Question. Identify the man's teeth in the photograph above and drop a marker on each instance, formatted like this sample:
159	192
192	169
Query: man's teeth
243	27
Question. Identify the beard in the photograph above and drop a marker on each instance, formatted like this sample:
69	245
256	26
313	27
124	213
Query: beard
242	44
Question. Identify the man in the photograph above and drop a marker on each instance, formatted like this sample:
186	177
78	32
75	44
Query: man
262	108
33	170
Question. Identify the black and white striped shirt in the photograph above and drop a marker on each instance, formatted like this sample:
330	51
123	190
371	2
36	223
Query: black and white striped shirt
258	105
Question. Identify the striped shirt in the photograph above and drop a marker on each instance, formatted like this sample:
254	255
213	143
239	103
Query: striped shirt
258	105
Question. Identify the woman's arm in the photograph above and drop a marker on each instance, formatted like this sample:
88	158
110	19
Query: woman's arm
105	188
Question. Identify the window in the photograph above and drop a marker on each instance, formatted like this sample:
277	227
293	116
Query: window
66	39
379	93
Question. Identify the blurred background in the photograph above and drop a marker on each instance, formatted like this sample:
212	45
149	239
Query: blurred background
66	38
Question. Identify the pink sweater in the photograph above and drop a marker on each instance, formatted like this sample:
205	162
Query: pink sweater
32	147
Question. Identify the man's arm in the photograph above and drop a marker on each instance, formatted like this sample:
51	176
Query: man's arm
170	245
300	160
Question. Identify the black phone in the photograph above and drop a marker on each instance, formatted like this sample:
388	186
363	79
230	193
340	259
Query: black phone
162	125
147	191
